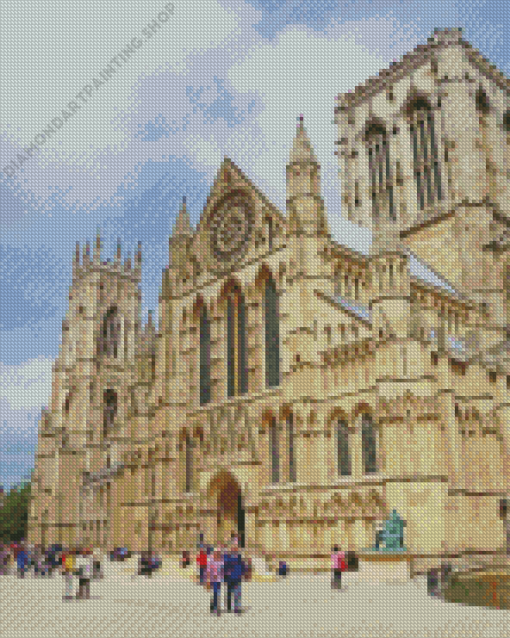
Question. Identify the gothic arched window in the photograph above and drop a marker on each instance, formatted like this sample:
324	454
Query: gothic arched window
381	175
109	411
482	101
292	457
237	361
274	450
425	154
110	333
342	448
205	357
369	444
506	122
189	463
272	333
270	232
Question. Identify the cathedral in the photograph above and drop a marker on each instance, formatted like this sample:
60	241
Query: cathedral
293	391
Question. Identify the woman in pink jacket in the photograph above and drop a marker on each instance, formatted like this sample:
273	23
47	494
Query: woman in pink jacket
337	567
214	576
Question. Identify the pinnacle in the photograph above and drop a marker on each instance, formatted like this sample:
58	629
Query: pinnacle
182	223
302	151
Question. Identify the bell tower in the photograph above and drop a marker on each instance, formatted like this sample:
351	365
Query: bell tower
93	376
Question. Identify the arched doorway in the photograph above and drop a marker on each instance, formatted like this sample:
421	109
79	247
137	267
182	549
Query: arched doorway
226	497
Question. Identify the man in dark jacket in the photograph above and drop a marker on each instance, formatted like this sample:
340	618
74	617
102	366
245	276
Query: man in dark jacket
234	570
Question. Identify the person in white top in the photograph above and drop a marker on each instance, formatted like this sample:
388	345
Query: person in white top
84	564
96	557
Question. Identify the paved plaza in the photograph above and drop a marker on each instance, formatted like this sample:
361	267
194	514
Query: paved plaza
172	604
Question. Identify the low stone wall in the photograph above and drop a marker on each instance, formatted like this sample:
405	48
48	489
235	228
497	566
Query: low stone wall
487	589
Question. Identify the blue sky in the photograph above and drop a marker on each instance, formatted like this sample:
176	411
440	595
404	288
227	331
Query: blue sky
217	78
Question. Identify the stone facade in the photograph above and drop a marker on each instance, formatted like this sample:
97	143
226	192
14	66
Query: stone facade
296	391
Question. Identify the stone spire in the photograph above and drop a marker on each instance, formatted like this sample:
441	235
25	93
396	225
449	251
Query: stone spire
97	250
302	151
182	223
305	207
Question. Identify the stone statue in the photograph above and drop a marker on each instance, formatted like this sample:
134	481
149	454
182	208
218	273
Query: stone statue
391	537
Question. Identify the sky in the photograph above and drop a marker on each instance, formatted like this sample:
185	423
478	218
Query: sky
213	78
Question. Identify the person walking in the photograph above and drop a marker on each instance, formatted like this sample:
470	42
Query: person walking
68	567
96	559
36	560
215	576
379	530
337	566
22	560
202	564
234	570
84	564
153	562
49	562
4	559
433	581
446	570
141	563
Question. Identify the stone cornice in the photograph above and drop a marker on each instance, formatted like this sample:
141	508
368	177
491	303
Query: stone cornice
417	58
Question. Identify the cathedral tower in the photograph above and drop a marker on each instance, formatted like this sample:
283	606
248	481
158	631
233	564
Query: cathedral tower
93	377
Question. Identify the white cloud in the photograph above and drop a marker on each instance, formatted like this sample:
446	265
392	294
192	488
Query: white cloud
87	157
26	386
300	71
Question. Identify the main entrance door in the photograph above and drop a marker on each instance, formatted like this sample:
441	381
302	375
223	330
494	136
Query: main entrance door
226	495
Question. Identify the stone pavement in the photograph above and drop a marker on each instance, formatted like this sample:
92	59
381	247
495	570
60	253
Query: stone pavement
172	604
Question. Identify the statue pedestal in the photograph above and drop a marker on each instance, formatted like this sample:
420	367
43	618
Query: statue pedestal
384	566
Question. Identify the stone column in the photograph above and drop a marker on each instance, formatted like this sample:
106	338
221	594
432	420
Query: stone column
504	420
382	448
356	451
455	473
359	534
208	525
267	534
250	539
283	536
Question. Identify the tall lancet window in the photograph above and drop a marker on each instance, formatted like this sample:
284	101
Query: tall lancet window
109	411
342	448
369	445
189	463
110	333
272	333
425	154
237	360
205	357
274	450
292	456
381	174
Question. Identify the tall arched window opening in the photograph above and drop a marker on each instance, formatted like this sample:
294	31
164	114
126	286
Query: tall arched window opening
205	357
272	334
369	445
506	122
109	411
274	450
381	174
110	333
237	360
343	456
290	440
425	154
189	463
